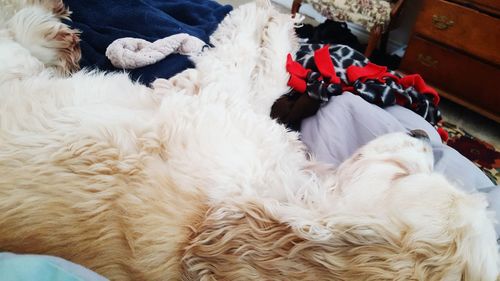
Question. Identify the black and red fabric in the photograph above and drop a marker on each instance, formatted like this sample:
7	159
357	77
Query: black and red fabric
320	84
298	75
321	71
417	82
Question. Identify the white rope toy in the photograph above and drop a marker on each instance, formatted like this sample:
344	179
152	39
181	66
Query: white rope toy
130	53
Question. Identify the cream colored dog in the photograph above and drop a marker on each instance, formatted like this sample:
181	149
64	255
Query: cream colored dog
198	183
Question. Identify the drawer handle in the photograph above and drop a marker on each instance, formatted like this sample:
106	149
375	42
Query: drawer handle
442	22
427	60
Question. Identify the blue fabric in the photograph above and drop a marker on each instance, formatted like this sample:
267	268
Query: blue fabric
43	268
102	22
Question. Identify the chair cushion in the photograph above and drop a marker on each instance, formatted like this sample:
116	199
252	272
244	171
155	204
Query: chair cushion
366	13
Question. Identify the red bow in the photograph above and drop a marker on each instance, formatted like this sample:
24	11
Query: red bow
298	74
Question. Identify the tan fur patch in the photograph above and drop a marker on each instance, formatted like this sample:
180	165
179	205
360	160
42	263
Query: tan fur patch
245	242
91	205
68	47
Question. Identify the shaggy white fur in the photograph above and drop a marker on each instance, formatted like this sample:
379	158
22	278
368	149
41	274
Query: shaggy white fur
192	179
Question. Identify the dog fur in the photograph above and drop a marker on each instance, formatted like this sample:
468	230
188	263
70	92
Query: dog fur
191	180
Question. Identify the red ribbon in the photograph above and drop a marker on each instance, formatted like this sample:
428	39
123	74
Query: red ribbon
418	83
325	66
370	71
298	75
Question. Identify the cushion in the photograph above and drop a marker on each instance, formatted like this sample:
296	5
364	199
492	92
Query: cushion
367	13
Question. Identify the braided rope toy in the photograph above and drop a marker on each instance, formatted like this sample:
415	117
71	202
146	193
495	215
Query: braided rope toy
130	53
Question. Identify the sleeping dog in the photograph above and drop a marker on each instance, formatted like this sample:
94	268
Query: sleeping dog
198	183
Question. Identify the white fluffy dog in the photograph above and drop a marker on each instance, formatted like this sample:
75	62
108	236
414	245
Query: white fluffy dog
193	181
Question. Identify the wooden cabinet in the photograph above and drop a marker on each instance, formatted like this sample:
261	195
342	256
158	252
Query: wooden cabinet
456	48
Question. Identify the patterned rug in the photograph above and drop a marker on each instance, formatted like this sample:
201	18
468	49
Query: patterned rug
483	154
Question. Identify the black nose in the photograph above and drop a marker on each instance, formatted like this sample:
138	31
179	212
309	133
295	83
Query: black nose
420	134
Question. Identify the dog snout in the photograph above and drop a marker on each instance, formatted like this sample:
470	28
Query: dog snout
420	134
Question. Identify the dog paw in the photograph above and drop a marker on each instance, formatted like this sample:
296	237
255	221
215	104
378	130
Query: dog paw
186	81
66	43
162	84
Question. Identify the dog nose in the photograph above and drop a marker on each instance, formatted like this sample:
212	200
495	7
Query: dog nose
420	134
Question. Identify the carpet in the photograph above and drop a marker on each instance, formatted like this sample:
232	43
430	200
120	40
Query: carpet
483	154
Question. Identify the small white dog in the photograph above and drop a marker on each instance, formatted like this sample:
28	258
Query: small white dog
200	184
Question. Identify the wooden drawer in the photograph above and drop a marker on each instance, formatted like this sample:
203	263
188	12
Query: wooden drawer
462	28
495	4
470	81
492	6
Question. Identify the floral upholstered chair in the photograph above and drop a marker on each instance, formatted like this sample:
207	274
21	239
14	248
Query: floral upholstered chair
377	16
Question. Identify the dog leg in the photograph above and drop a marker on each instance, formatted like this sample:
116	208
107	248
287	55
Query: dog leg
270	76
46	38
226	68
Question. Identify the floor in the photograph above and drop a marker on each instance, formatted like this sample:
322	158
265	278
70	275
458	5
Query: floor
472	122
477	125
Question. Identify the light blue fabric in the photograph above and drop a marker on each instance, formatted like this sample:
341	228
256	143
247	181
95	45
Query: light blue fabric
43	268
493	196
